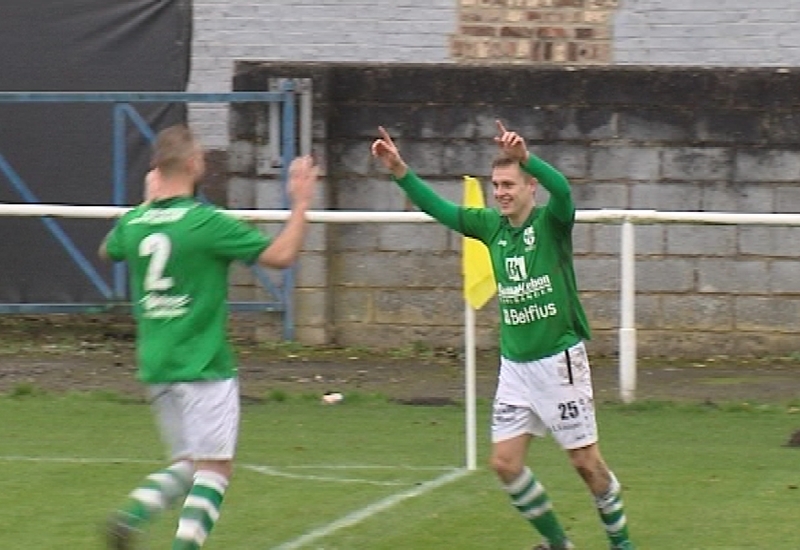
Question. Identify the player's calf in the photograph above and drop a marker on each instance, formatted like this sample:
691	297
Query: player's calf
201	510
607	492
532	502
612	514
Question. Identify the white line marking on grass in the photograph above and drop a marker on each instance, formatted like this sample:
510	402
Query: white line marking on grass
259	468
269	471
358	516
78	460
371	467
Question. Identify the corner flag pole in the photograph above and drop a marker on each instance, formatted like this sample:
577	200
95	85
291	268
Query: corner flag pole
479	287
470	387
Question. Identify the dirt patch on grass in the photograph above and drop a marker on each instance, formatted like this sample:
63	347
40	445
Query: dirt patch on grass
95	353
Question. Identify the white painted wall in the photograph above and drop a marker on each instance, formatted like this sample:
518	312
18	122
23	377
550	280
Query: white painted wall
415	31
740	33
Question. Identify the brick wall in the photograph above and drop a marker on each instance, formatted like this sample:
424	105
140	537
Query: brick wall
534	31
670	139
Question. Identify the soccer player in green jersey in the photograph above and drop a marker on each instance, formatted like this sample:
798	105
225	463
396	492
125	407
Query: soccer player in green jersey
545	382
178	252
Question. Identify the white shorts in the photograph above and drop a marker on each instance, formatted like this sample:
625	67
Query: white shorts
553	395
198	420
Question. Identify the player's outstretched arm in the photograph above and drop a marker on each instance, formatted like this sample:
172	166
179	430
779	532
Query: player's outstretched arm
419	192
283	251
513	145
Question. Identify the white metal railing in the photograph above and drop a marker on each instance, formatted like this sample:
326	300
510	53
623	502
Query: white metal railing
627	219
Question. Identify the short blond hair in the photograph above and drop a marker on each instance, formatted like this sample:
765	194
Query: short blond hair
502	160
173	148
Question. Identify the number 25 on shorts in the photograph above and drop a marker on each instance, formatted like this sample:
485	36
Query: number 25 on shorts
568	410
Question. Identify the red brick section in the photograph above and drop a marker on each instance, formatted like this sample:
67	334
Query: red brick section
557	32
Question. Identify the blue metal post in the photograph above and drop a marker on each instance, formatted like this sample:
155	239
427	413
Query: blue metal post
118	192
287	155
54	228
122	111
141	124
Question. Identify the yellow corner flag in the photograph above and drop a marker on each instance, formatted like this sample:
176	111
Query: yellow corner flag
479	284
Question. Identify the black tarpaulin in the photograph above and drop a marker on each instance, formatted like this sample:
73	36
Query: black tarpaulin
63	152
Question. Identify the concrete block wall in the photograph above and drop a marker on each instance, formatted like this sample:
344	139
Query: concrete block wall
668	139
255	183
626	148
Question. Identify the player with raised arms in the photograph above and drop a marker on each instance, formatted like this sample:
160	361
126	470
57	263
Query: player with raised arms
178	252
545	381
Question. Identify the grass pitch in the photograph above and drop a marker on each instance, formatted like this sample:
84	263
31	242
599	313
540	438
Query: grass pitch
373	475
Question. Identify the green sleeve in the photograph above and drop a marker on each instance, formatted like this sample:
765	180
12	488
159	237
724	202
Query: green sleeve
477	223
114	246
560	204
115	240
426	199
234	239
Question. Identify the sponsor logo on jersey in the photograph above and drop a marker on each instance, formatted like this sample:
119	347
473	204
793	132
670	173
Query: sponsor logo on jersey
160	215
515	268
162	306
528	314
522	292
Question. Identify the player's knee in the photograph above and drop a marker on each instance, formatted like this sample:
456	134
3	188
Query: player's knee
587	461
507	467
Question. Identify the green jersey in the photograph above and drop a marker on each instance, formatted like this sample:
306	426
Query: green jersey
540	311
178	253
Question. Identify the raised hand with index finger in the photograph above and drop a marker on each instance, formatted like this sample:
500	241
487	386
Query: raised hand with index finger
386	151
302	180
511	143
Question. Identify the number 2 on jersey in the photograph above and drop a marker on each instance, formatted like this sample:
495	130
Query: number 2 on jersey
158	247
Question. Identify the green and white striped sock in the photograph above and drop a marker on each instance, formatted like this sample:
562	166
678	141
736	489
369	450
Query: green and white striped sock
159	491
531	500
200	510
612	514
